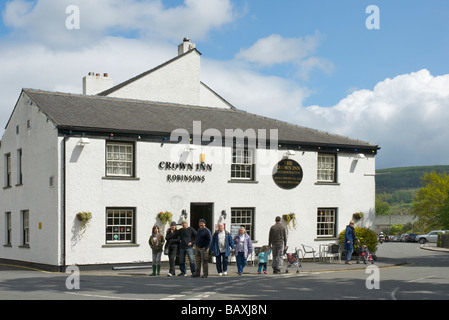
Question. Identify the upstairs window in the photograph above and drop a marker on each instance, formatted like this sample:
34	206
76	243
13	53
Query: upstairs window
326	167
242	167
119	159
7	167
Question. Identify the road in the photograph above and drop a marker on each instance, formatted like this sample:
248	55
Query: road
425	276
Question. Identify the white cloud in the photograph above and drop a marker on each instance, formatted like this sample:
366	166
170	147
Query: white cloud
44	21
407	116
275	49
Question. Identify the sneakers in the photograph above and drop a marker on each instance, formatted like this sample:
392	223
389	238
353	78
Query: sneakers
265	272
220	274
170	275
225	273
182	275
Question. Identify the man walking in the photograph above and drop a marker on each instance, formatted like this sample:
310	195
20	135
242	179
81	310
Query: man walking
277	240
203	238
187	235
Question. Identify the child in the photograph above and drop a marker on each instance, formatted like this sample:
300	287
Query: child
263	259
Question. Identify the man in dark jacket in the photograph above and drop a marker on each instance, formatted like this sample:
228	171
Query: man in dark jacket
350	239
187	235
203	238
277	240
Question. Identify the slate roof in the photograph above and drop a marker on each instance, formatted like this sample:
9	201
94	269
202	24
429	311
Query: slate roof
106	114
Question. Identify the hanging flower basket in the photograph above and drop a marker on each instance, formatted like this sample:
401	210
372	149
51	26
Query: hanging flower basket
164	217
290	219
84	218
357	215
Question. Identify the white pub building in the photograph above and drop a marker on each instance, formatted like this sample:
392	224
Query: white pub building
165	141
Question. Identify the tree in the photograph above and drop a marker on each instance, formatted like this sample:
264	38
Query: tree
430	201
382	207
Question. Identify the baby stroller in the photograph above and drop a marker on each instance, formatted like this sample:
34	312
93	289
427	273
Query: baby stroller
364	254
293	260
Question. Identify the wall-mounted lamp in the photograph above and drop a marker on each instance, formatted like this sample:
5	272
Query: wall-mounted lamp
184	214
359	156
83	141
190	148
289	153
223	214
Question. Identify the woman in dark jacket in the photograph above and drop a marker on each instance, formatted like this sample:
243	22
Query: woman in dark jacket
172	237
350	238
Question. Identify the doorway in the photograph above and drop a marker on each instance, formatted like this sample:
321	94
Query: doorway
202	210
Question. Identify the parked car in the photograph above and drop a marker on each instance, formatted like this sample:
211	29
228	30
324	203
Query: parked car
411	237
432	236
403	237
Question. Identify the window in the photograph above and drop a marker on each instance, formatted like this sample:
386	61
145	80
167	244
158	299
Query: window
120	225
326	222
242	167
19	166
8	230
25	227
7	170
243	217
326	168
119	159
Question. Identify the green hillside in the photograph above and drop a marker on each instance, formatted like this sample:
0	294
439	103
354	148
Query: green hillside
398	186
404	178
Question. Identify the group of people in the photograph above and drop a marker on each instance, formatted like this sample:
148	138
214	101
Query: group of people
221	244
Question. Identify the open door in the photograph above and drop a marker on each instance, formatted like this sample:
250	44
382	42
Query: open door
201	210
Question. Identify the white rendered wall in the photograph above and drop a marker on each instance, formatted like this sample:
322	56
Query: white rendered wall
87	190
39	163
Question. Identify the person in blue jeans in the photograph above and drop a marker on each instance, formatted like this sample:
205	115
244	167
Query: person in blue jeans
350	239
221	246
187	235
243	248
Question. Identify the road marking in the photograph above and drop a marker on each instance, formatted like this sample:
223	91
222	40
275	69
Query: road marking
102	297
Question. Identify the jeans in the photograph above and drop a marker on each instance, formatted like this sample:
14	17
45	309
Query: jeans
349	251
182	259
241	262
262	265
172	258
157	257
222	262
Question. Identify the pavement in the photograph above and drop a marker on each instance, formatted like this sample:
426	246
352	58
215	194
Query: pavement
307	266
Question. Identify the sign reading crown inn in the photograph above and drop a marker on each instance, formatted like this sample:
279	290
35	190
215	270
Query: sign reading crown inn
287	174
181	166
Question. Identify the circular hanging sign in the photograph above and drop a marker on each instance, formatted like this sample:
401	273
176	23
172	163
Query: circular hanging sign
287	174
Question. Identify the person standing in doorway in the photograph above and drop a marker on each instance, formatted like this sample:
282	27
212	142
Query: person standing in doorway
277	240
172	238
156	243
220	247
187	235
203	239
350	239
243	248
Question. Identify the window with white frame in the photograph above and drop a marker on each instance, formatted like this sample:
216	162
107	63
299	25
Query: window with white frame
25	227
326	167
8	230
326	222
242	167
243	217
19	167
120	225
7	170
119	159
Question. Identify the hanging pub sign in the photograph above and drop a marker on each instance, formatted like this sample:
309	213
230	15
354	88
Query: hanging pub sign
287	174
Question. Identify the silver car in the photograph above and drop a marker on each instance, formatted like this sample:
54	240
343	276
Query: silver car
432	236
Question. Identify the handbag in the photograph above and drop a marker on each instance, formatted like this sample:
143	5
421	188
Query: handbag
166	248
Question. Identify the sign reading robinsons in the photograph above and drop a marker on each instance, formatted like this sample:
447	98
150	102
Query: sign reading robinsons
181	166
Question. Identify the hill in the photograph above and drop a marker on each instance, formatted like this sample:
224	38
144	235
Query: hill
403	178
398	186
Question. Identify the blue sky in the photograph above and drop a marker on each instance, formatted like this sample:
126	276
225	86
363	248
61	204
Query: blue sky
313	63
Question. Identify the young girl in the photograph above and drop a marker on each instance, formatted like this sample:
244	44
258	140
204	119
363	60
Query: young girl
156	243
263	259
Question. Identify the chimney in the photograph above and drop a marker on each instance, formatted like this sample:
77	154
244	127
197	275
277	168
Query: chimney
95	83
185	46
